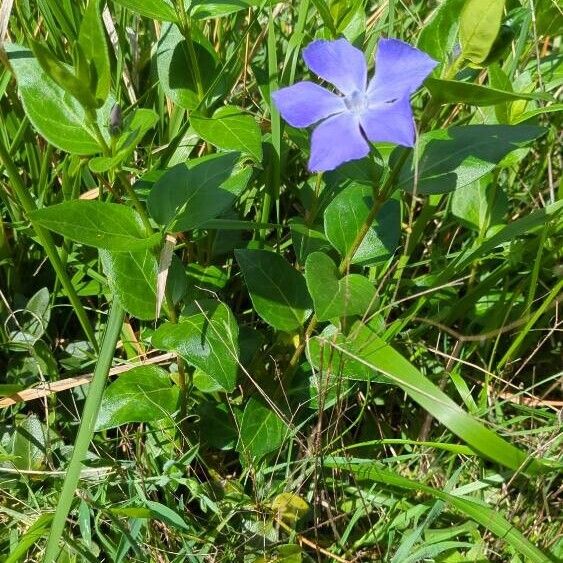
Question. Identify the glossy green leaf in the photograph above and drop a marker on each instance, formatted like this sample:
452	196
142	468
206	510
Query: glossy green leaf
278	291
452	91
345	216
452	158
478	28
207	338
470	507
397	370
188	195
110	226
334	296
92	40
173	65
155	9
133	131
306	239
54	114
261	430
132	278
439	35
143	394
230	128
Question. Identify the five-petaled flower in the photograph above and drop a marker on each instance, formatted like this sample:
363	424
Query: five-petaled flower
362	112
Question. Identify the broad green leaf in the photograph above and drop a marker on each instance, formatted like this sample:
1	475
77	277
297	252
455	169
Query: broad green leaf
452	91
188	195
132	277
478	28
397	370
278	291
216	427
345	216
173	65
134	130
261	430
334	296
29	444
452	158
479	204
33	320
110	226
155	9
207	338
143	394
439	35
230	128
290	507
470	507
56	116
92	41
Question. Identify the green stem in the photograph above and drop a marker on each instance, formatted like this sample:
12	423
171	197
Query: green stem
46	240
86	430
136	202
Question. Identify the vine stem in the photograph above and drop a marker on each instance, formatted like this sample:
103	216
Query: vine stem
86	430
28	204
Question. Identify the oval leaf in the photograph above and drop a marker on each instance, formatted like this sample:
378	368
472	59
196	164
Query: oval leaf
278	291
143	394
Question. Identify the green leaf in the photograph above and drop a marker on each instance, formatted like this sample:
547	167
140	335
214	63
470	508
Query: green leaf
143	394
203	9
134	130
132	278
155	9
306	239
61	74
207	339
56	116
173	65
261	430
92	40
29	444
478	28
472	508
110	226
278	291
33	320
439	36
452	158
345	216
452	91
393	367
188	195
230	128
30	538
333	297
161	512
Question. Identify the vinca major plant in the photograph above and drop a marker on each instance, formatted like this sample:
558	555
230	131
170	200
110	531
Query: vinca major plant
280	281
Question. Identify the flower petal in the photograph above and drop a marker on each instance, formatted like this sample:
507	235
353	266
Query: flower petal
391	123
400	69
336	140
339	63
306	103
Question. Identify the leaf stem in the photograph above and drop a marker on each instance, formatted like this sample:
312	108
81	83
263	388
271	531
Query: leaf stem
86	430
28	204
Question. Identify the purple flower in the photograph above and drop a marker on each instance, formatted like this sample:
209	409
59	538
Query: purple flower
361	112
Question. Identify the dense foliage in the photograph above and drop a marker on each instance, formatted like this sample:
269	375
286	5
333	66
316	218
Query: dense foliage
211	353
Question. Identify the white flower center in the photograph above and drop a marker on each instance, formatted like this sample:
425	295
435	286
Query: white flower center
356	101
